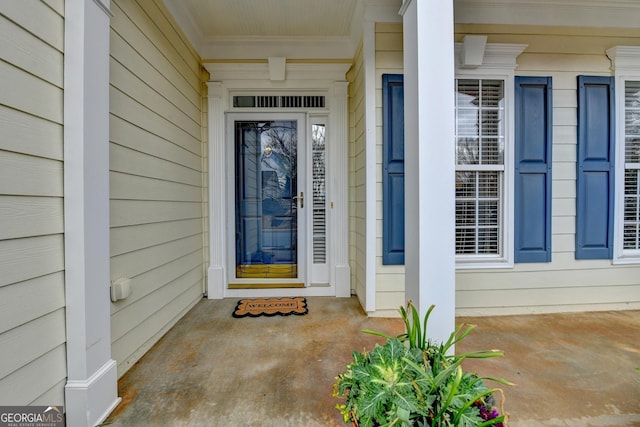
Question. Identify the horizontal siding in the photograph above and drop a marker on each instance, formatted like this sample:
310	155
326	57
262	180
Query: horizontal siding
32	295
156	159
389	60
565	284
357	189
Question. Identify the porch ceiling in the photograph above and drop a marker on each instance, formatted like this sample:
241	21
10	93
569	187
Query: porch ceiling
256	29
332	29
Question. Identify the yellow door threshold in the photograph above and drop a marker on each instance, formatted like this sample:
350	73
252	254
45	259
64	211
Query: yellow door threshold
264	285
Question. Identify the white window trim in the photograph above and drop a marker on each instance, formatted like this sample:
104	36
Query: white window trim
625	62
498	63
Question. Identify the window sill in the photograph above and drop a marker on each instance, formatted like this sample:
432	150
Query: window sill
626	260
483	264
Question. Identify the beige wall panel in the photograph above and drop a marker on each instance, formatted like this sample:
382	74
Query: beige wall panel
138	262
26	175
26	92
32	295
37	18
129	135
152	280
23	216
564	207
126	160
134	212
388	59
156	176
54	394
542	297
25	385
132	238
57	5
163	19
132	187
391	282
127	108
565	283
390	301
179	92
389	27
29	53
22	302
563	153
33	339
161	34
583	277
26	134
389	41
134	314
563	225
151	49
128	349
23	259
145	94
563	189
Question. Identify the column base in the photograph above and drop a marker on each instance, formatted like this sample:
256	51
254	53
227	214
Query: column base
89	402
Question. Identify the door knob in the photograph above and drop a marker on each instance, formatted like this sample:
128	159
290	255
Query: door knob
300	198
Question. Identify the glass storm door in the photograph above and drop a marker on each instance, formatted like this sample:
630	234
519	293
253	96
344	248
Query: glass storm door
268	200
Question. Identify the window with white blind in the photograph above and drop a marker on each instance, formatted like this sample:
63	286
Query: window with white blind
631	198
625	61
480	169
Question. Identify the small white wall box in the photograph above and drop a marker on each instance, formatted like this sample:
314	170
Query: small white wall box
120	289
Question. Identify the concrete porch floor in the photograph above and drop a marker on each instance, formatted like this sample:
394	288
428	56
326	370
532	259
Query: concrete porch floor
212	369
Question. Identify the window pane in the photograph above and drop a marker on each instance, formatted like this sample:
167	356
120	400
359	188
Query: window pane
480	140
319	194
631	214
632	149
480	122
492	93
478	212
632	94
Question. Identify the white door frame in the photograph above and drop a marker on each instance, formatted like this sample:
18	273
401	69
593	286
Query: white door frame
327	79
302	185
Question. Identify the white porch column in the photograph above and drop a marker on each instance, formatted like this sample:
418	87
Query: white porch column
216	278
340	205
429	160
91	390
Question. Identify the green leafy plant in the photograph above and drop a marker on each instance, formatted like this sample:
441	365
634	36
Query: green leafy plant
412	381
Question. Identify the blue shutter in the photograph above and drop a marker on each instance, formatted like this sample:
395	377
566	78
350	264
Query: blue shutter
393	169
533	113
594	198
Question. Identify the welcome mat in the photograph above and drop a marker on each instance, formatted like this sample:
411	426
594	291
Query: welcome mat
271	307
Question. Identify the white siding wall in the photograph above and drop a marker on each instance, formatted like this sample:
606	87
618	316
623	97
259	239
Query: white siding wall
357	174
32	313
565	284
155	175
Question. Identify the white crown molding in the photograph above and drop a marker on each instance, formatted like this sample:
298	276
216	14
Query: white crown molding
624	59
497	56
330	72
260	47
585	13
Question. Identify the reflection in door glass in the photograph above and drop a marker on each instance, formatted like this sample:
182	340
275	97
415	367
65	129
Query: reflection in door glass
266	208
